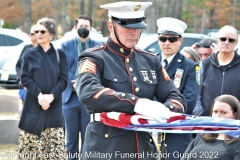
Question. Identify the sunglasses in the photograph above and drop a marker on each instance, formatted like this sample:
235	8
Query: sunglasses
231	40
205	45
170	39
31	34
41	31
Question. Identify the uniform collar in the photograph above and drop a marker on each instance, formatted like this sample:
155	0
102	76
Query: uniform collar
118	49
169	59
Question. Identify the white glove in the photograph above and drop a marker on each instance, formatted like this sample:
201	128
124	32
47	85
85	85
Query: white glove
152	109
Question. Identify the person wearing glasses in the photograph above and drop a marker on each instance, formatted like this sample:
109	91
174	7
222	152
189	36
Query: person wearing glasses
182	71
219	72
33	39
75	113
205	48
211	146
44	73
118	77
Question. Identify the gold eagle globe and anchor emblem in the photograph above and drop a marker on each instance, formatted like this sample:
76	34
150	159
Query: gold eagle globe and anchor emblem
137	7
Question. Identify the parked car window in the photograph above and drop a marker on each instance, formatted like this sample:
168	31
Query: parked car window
6	40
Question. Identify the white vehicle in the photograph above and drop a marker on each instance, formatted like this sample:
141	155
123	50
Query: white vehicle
11	44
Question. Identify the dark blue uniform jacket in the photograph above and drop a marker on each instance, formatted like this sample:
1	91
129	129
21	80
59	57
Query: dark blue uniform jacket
113	78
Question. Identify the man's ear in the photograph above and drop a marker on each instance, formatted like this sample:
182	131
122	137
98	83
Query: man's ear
110	26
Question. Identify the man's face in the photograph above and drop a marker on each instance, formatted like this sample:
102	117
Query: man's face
227	40
127	36
204	52
169	48
83	23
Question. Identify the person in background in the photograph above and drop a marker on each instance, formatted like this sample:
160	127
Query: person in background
190	53
205	48
118	77
75	113
44	73
211	146
20	59
218	72
182	71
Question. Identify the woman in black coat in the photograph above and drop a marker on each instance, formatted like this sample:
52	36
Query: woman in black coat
44	73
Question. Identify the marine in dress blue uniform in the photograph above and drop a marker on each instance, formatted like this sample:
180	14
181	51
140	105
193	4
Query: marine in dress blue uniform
185	75
123	79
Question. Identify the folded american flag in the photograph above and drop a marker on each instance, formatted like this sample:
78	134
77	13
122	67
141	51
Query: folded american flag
176	123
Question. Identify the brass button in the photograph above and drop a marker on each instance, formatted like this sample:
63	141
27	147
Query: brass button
127	60
115	79
130	69
150	140
106	135
171	107
151	82
123	94
121	50
135	78
133	98
137	89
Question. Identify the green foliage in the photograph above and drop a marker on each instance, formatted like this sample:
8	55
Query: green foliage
7	25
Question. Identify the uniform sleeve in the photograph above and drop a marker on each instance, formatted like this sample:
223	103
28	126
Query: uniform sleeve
191	88
167	93
91	93
63	77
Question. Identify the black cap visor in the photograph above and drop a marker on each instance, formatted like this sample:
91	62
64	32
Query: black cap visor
168	32
136	23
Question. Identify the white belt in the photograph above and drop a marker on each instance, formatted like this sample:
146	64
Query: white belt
95	117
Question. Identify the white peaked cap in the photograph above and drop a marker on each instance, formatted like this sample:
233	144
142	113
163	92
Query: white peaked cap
168	25
126	9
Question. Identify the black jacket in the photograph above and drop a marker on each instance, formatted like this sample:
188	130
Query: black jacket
20	59
215	82
41	72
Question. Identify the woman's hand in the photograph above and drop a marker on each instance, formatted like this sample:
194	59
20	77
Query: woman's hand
44	101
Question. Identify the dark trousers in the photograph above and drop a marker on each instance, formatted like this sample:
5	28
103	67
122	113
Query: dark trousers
76	120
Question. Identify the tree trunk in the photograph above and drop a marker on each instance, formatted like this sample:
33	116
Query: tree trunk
90	8
82	7
203	20
234	6
56	17
179	8
27	15
151	14
64	16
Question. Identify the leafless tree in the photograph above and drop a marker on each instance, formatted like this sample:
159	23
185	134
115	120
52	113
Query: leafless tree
234	5
90	8
64	16
27	12
152	16
55	16
82	3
